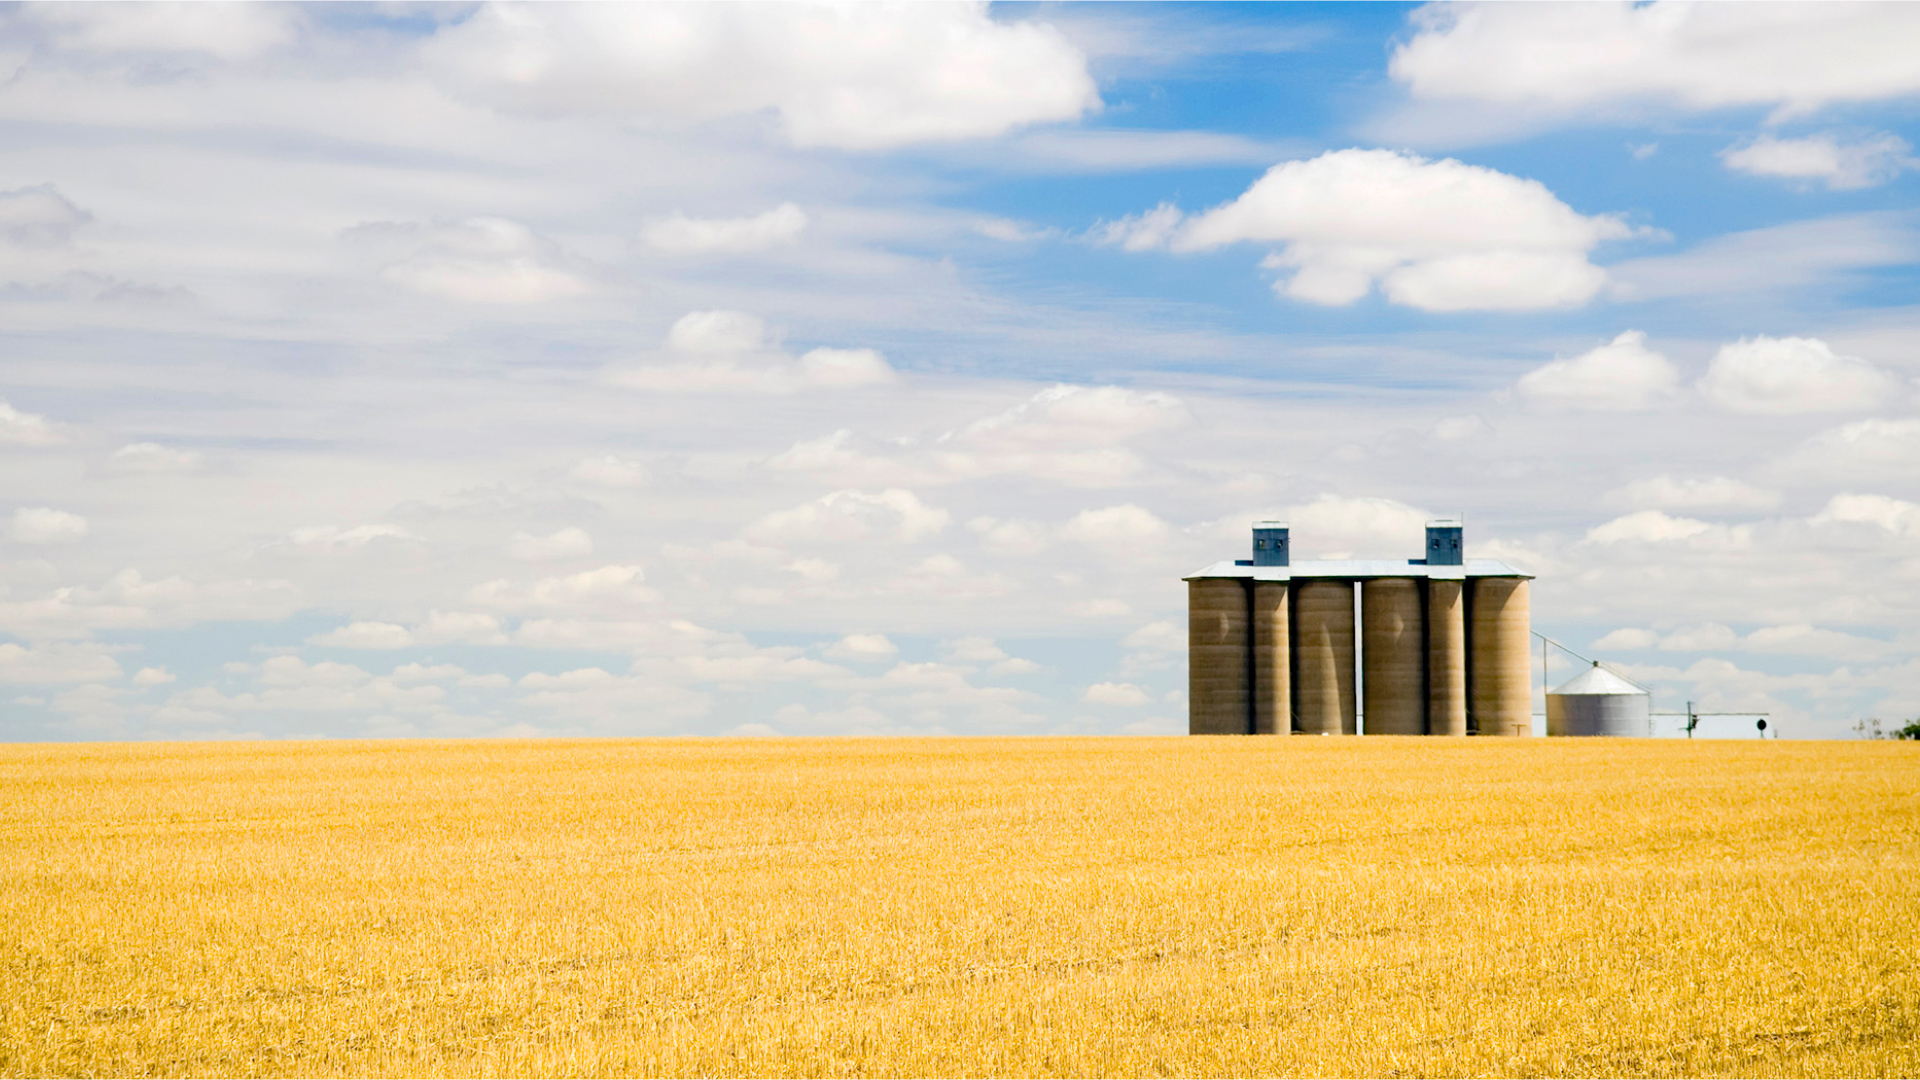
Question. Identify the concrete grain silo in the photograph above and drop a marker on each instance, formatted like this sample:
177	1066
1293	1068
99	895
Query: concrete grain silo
1599	702
1499	657
1393	654
1219	659
1323	691
1444	643
1446	656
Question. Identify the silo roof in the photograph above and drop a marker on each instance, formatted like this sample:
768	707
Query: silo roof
1598	680
1358	570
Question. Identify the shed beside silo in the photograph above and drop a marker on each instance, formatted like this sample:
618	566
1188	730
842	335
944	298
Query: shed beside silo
1599	702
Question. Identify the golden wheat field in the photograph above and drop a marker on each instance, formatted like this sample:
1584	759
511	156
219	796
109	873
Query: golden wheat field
961	907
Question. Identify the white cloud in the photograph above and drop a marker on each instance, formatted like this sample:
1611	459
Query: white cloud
440	628
1066	433
1623	374
153	676
846	368
568	543
1780	376
734	352
48	662
27	429
1146	231
982	650
366	635
479	260
1116	530
682	235
1798	57
610	470
610	587
1864	448
152	458
228	31
1646	526
1334	526
855	77
1158	636
39	217
333	540
1009	537
1436	235
43	525
1894	515
1793	639
1665	492
1842	165
867	647
1115	694
894	514
1776	259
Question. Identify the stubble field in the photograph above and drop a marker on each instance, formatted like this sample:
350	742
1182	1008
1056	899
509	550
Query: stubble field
961	907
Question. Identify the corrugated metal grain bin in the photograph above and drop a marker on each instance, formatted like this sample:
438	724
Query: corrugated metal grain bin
1598	702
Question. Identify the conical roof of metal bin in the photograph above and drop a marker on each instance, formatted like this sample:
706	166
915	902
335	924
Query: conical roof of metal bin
1598	680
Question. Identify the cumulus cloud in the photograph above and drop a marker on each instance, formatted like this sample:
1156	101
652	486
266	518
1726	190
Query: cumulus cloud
52	662
440	628
682	235
152	676
1896	516
1793	639
866	647
1646	526
39	216
1116	530
1842	165
1666	492
734	352
333	540
1106	693
1435	235
610	470
971	651
607	587
227	31
27	429
855	77
894	514
568	543
149	458
1797	57
1781	376
44	525
1864	448
1067	433
1338	525
480	260
1157	636
1623	374
1145	231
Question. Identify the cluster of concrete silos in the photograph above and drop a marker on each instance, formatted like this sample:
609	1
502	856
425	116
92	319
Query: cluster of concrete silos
1443	643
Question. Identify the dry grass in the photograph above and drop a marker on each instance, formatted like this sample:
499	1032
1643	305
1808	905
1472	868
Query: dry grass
1079	907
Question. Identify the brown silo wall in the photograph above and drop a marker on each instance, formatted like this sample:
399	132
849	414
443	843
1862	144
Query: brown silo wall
1218	683
1446	657
1272	684
1393	655
1500	668
1323	699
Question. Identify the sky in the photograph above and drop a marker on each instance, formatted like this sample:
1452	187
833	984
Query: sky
478	370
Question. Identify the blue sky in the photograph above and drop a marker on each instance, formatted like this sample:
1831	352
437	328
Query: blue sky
454	370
